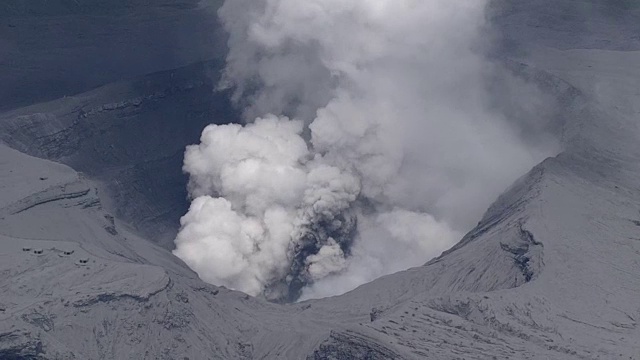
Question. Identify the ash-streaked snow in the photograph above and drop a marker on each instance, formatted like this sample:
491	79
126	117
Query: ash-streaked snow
550	272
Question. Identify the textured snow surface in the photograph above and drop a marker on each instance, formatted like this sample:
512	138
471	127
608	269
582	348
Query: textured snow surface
552	271
130	136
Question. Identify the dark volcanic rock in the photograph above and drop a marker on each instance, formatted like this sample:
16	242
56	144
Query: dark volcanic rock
347	345
51	49
130	136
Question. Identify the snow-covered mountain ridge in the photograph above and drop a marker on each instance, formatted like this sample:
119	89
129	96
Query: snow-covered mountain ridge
550	272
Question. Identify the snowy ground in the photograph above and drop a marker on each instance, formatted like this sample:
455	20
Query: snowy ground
551	271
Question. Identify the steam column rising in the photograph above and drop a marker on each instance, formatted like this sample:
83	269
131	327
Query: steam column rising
368	145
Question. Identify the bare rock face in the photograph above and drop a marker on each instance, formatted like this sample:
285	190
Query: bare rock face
351	346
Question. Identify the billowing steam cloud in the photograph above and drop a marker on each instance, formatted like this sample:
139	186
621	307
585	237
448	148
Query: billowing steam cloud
369	145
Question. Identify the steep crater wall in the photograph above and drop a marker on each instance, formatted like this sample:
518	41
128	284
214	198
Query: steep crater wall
130	136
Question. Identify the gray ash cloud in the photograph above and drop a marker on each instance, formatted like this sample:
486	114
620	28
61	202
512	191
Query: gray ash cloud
370	144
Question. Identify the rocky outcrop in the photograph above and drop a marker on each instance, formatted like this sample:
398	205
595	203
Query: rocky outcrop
349	345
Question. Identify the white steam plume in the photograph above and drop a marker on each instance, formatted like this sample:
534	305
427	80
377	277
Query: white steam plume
392	154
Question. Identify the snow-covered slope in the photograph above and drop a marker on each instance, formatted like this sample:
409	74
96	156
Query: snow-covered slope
130	136
552	271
